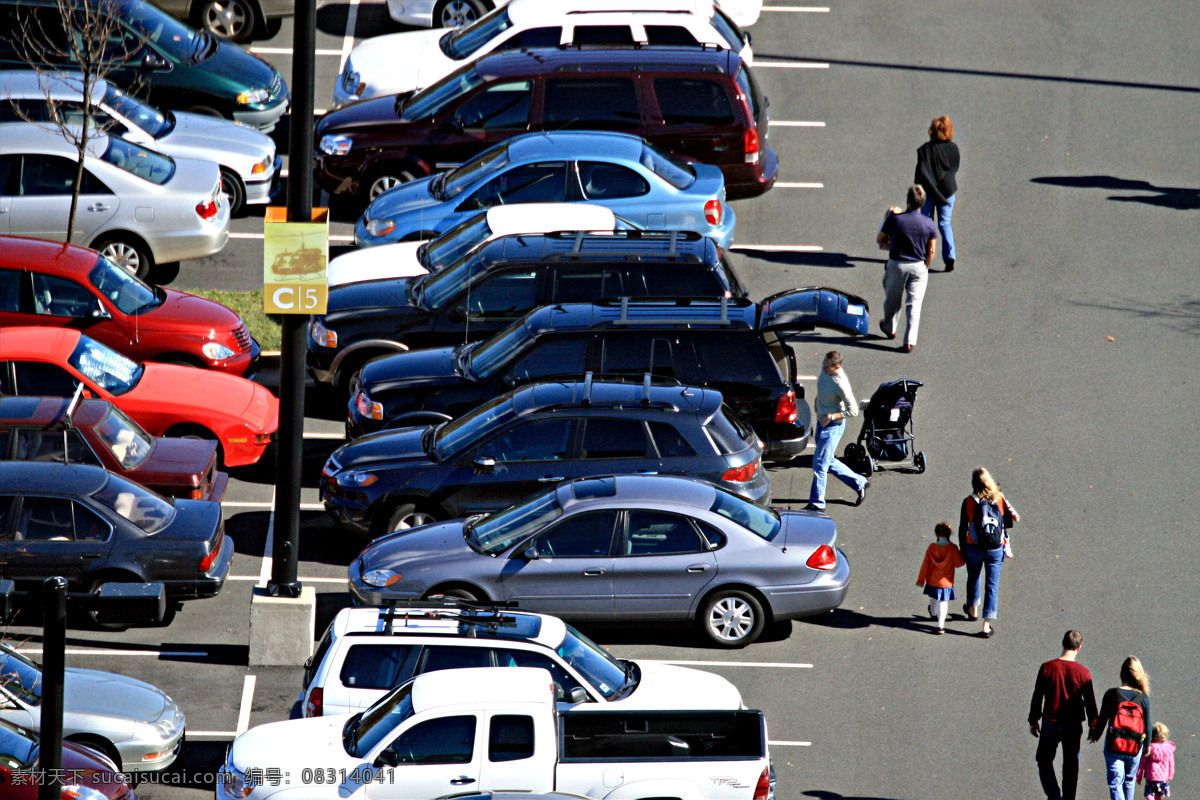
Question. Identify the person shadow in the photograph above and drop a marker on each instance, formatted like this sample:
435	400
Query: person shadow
848	619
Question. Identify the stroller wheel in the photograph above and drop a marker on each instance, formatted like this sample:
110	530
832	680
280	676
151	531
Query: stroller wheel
919	461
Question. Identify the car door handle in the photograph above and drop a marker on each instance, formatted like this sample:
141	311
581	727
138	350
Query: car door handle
592	573
698	568
551	478
90	555
98	207
459	781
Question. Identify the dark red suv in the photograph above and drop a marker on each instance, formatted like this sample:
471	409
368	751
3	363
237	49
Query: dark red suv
66	286
700	105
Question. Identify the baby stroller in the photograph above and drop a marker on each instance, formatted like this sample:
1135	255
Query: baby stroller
887	431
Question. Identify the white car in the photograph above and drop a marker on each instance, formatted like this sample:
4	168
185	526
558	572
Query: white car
137	207
458	13
406	62
246	157
404	259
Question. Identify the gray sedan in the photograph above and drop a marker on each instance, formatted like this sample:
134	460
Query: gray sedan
631	547
133	723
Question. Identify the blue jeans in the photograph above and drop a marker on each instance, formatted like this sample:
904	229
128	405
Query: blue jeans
825	461
1121	772
944	212
982	562
1053	734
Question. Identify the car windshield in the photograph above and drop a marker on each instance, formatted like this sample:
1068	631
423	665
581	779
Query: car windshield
444	285
137	160
18	750
106	368
487	418
675	172
428	102
497	532
594	663
454	243
463	42
172	37
154	122
124	290
365	731
757	519
481	167
486	358
129	444
148	510
20	676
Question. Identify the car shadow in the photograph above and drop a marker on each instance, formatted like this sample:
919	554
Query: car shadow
666	634
821	794
196	768
313	456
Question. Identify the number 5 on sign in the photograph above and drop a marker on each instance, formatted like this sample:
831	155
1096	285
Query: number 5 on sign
295	255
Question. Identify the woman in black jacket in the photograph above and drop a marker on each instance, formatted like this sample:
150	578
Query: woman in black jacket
1124	721
937	170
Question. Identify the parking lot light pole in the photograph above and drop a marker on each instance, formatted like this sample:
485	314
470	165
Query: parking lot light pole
54	666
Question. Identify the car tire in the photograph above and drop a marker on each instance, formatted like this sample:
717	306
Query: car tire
732	618
455	592
100	745
127	252
94	588
270	27
234	191
228	20
404	516
389	176
458	13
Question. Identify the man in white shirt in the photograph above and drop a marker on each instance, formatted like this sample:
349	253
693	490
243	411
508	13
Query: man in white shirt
834	402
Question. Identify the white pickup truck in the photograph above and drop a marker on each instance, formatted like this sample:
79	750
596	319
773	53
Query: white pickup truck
494	729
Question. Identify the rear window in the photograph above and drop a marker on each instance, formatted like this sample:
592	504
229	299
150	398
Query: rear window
676	35
749	87
730	437
691	101
670	443
736	359
136	160
694	281
728	29
675	172
375	666
603	35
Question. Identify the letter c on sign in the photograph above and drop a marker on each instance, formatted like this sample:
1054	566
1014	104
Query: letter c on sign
278	295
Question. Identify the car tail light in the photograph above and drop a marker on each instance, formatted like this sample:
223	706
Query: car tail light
207	562
197	494
713	212
751	142
763	790
315	704
367	407
743	473
262	438
785	409
207	209
823	557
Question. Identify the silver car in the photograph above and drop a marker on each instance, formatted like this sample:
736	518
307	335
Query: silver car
246	157
137	207
133	723
233	20
630	547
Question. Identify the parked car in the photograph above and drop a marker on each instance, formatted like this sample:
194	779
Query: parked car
87	774
405	62
137	207
232	20
367	651
697	104
165	399
496	284
457	13
514	445
96	432
406	259
737	347
66	286
170	64
642	184
135	725
624	548
249	165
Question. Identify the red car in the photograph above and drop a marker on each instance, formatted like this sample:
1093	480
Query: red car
86	773
66	286
165	399
98	433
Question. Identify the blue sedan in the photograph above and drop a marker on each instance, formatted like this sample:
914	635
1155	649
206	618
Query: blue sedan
650	188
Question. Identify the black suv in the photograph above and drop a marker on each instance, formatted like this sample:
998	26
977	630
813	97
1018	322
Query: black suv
521	441
735	346
499	282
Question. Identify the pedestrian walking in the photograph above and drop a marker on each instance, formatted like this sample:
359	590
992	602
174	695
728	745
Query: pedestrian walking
911	239
1062	697
1123	721
937	173
1158	765
982	535
835	401
937	573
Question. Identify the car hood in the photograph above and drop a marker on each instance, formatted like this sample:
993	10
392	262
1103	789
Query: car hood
203	137
401	62
406	550
397	260
681	688
230	70
407	198
182	312
365	115
354	298
191	391
294	744
435	365
106	694
385	447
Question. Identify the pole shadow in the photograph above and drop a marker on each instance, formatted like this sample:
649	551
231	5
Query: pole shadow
1176	198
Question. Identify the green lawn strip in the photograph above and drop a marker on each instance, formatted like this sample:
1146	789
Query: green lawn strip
250	306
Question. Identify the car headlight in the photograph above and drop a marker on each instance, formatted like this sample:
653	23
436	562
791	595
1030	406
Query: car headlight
77	792
322	336
262	166
381	578
380	227
352	83
355	480
335	145
253	97
216	351
234	781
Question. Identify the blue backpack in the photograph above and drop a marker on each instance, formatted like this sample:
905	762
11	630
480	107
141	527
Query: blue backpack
988	524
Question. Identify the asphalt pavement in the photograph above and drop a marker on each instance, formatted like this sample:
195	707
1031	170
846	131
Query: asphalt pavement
1061	354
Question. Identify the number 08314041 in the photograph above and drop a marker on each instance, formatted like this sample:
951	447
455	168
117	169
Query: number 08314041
329	775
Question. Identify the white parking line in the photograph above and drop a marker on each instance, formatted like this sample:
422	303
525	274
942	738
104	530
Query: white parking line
774	743
779	248
804	9
789	64
189	735
268	561
287	51
85	651
763	664
316	435
785	185
301	579
348	39
795	123
243	722
264	506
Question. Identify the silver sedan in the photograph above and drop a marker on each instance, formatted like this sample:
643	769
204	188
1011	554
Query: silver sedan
631	547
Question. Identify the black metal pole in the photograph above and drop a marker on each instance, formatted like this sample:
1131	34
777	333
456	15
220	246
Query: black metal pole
290	441
54	658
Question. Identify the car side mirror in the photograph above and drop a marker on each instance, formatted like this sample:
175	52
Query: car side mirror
576	696
153	61
485	463
453	125
508	380
457	313
530	554
386	758
99	312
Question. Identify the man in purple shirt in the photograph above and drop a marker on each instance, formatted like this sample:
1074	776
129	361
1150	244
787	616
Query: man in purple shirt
910	238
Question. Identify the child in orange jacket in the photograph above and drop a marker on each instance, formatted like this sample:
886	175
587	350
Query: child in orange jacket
937	574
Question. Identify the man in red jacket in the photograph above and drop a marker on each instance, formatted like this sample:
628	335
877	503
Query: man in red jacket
1062	695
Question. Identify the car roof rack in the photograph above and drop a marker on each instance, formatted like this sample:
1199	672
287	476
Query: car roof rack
440	607
647	380
677	302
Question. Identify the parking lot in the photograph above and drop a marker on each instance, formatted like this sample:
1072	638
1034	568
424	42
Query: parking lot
1062	354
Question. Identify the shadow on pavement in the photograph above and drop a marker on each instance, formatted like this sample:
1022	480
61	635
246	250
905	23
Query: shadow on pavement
196	767
807	259
1178	198
821	794
1182	315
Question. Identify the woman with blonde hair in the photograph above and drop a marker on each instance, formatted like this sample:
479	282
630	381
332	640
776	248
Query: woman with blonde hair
982	524
1124	721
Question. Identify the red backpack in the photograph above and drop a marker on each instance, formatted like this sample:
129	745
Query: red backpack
1128	727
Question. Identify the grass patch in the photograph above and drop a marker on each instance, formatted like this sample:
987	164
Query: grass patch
250	306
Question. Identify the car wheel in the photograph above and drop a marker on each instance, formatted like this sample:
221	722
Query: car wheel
458	13
92	617
386	178
732	618
100	745
234	191
231	20
455	592
405	516
127	253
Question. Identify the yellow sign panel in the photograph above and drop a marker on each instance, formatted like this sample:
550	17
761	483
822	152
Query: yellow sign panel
295	255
